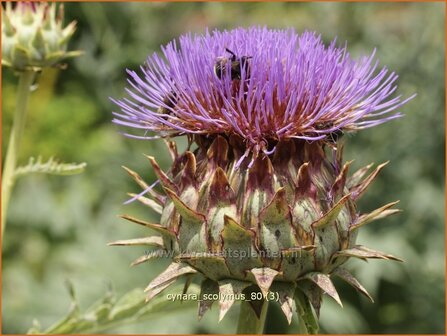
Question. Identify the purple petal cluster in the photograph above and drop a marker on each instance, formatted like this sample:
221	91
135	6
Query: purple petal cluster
293	87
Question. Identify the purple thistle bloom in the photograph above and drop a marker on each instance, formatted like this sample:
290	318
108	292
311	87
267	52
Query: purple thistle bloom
290	86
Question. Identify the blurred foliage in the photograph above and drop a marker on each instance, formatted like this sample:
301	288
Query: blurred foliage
59	228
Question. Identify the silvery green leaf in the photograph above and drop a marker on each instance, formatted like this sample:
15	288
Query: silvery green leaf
52	166
109	312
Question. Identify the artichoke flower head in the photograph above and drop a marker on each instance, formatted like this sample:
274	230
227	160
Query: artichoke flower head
264	201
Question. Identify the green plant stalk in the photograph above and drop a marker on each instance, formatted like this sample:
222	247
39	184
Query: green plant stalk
25	81
307	320
248	322
302	329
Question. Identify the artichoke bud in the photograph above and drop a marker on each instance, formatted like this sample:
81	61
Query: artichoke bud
33	37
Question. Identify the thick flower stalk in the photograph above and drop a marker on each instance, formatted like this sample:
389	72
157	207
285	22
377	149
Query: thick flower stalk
264	202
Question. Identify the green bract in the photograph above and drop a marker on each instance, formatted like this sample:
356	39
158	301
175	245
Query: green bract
33	36
285	225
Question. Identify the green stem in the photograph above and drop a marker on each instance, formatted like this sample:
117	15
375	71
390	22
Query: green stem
25	81
249	323
302	329
307	320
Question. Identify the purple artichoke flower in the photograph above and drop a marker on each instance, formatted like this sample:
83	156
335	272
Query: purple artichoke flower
295	85
267	109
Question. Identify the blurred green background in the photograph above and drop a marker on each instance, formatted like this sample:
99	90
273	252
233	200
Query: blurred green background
58	227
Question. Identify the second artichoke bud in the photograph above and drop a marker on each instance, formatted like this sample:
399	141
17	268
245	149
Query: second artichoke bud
33	36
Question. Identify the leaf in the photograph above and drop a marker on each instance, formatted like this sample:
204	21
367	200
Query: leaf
52	167
108	312
35	329
67	323
162	303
